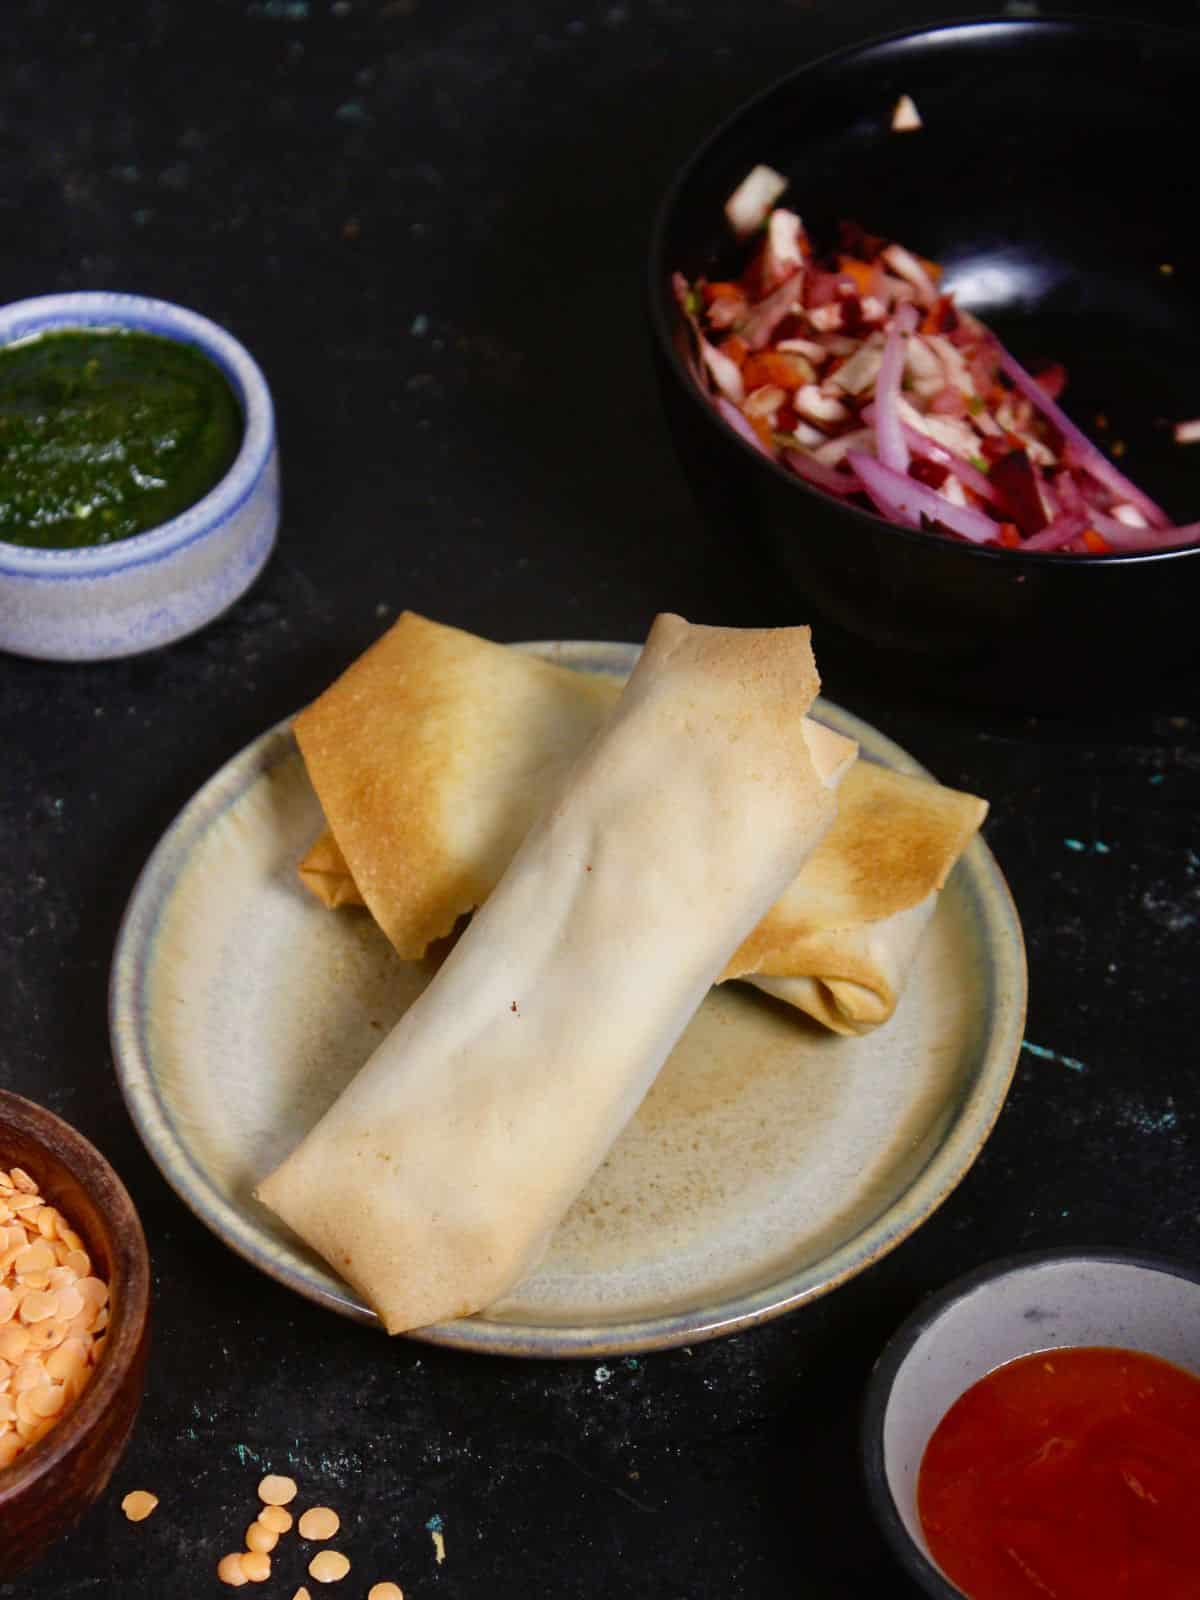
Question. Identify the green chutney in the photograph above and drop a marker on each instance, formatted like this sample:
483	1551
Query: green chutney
105	433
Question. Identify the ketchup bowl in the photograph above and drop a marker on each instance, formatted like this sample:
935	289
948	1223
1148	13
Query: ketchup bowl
1023	1305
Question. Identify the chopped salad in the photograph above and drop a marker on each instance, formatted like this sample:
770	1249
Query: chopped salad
858	373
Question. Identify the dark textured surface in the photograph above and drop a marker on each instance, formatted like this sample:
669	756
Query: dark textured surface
427	222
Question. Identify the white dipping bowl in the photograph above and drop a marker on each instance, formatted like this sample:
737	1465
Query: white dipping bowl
1007	1309
138	593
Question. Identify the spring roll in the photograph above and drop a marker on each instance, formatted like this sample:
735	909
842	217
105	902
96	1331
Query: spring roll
841	939
435	1180
433	753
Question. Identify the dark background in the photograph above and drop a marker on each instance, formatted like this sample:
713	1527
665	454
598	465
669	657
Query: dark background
427	221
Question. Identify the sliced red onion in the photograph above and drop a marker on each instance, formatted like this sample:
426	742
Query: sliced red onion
889	435
820	476
766	316
1122	537
906	265
737	421
1070	496
903	500
1180	533
1088	455
726	373
1066	526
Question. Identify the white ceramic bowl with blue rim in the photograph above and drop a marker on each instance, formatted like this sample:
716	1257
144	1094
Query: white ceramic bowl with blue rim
1045	1300
138	593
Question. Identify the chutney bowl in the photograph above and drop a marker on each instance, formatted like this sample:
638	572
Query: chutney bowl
145	591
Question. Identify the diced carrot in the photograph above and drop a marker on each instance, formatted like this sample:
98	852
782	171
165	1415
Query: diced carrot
775	366
1009	535
1096	542
735	347
721	291
861	271
762	427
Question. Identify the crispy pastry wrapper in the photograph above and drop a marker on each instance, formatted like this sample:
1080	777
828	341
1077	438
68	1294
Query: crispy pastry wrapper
431	757
435	1180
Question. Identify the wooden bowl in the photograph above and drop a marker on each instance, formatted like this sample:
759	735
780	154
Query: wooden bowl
48	1488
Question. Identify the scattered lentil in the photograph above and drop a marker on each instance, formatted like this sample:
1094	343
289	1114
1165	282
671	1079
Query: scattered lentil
328	1566
138	1504
302	1594
384	1591
319	1522
256	1564
261	1538
275	1518
275	1490
229	1570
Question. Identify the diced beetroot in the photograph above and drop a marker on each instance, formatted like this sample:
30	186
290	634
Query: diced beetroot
820	289
1014	480
926	471
792	327
994	446
853	321
854	240
1051	375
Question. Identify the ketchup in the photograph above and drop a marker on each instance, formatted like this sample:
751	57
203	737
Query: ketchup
1073	1474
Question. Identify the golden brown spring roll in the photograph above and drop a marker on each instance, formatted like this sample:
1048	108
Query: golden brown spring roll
433	752
435	1180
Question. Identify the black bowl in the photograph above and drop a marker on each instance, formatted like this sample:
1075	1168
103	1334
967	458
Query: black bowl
1051	182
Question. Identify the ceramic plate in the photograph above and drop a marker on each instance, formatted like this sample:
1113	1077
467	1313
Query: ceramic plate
770	1162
